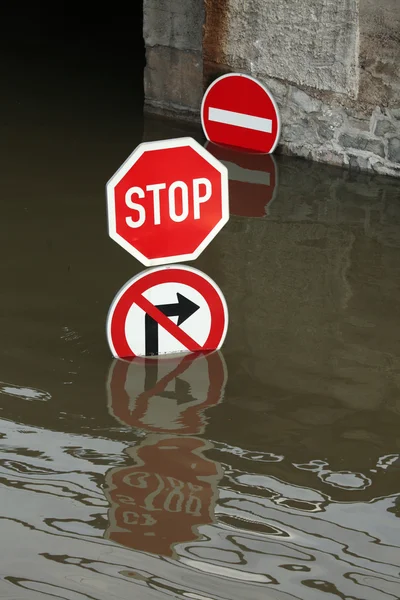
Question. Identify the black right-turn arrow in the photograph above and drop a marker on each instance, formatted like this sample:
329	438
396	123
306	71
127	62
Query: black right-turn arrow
183	309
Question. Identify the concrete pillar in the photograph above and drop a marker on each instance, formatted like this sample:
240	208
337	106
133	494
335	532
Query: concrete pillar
333	68
173	34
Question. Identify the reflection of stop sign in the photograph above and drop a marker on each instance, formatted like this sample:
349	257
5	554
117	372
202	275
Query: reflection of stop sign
165	496
167	201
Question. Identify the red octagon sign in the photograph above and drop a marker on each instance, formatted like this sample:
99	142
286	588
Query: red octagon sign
167	201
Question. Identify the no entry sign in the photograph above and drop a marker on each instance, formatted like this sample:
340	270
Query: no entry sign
166	310
169	395
253	179
237	110
167	201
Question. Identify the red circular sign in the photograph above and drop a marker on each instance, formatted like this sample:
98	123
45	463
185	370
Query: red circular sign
167	201
237	110
146	303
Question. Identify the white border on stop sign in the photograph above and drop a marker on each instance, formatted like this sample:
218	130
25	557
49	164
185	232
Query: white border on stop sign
128	164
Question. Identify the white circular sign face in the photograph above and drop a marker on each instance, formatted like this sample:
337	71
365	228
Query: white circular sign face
167	310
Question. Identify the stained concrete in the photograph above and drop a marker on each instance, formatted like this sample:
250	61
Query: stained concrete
174	24
332	67
380	52
173	34
173	81
312	43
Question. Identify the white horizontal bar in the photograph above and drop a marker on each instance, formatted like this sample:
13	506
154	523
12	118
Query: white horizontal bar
228	117
237	173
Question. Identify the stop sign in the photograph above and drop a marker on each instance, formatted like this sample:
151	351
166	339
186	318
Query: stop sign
167	201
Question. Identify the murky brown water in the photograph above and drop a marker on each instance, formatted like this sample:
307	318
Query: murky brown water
267	471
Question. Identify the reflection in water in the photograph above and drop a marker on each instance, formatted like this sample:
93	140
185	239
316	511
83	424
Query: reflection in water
346	480
160	501
169	394
261	532
266	526
25	393
255	525
253	180
172	487
295	487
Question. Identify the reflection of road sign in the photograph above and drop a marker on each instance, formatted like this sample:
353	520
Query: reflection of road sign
167	201
165	497
167	310
253	179
238	110
166	395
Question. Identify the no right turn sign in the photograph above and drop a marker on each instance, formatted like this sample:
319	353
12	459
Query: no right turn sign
167	310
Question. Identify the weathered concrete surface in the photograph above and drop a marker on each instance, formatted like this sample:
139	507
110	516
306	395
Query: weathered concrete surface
332	66
173	34
380	52
174	24
313	43
173	81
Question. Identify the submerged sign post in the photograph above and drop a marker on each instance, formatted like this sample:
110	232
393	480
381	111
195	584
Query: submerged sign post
165	204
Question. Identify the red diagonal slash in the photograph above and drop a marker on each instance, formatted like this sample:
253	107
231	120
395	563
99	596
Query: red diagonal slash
134	294
164	381
191	420
156	314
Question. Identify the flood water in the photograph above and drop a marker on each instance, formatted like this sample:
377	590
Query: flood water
269	470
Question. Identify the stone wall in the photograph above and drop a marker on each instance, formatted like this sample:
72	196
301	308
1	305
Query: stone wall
333	68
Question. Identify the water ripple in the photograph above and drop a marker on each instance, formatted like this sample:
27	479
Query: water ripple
268	538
